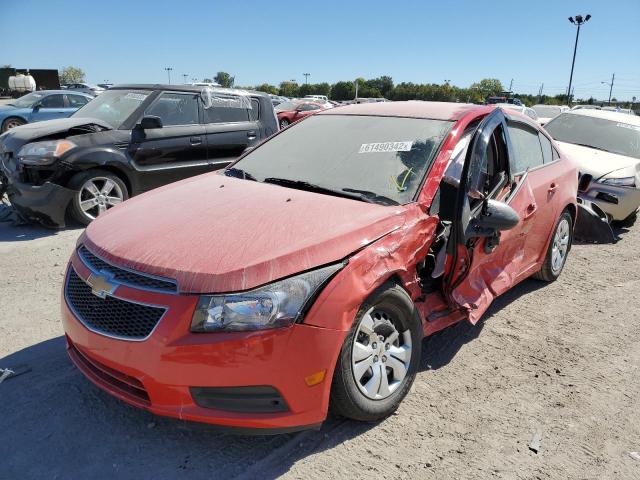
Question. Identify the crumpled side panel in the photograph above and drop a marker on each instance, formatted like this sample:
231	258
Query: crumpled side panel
395	254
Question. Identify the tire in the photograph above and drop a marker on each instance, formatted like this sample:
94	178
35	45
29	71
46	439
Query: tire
116	192
12	122
284	123
392	311
550	271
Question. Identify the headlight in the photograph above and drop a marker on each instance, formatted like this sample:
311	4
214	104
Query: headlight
619	182
44	153
275	305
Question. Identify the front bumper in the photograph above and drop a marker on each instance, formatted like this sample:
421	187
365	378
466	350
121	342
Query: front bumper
46	203
617	202
160	372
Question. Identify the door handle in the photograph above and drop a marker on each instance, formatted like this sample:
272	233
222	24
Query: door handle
195	140
552	188
531	209
251	135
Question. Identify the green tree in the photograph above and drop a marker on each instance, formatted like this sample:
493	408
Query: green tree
224	79
383	84
289	89
343	91
71	75
488	87
265	87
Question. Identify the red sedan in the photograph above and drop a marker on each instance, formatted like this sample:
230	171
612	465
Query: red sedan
305	276
289	112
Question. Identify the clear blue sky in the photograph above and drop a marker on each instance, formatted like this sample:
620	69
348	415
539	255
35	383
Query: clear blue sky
417	41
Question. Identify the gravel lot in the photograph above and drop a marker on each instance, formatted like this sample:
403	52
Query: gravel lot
558	362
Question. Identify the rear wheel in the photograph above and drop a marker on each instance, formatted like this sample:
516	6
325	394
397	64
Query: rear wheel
379	358
284	123
12	122
96	192
558	249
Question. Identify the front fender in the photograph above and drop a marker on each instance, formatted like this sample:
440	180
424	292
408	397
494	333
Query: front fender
395	254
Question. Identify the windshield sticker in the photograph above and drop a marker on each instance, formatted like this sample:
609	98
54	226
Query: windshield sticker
626	125
135	96
385	147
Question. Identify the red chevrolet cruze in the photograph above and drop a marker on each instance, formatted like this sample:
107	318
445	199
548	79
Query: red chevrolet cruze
305	276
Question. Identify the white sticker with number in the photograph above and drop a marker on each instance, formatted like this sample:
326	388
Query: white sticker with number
626	125
385	147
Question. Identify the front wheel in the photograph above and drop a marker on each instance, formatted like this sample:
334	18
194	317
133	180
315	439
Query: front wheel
379	358
558	249
12	122
284	123
96	192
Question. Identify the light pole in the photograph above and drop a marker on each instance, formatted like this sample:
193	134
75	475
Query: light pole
185	75
579	21
306	78
613	77
168	69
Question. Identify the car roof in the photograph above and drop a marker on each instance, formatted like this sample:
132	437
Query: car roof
62	92
411	108
607	115
185	88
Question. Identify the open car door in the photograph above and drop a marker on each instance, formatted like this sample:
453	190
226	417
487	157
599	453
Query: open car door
493	211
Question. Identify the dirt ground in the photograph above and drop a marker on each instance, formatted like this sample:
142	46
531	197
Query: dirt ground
557	362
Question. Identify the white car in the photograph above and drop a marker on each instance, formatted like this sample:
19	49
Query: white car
529	112
548	112
320	98
89	89
606	147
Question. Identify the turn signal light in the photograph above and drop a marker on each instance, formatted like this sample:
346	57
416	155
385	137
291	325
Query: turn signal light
315	378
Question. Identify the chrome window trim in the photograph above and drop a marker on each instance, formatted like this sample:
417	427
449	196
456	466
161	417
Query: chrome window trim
78	317
135	272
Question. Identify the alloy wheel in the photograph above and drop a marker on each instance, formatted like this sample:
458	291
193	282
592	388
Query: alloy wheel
560	246
13	124
99	194
380	356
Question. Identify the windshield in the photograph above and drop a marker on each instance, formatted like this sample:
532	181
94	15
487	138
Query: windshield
546	111
611	136
385	156
113	106
27	101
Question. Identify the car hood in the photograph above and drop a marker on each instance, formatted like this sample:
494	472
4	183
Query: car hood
596	162
17	137
214	233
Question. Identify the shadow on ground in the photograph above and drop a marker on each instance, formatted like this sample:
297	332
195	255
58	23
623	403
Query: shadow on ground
56	424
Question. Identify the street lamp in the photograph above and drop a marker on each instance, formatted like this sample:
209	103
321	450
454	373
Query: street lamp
579	21
306	77
610	85
185	75
168	69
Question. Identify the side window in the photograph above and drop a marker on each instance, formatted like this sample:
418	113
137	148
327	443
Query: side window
76	101
217	114
488	173
52	101
527	150
255	109
307	107
175	109
547	149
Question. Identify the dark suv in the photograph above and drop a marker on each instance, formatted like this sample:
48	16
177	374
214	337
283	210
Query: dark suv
128	140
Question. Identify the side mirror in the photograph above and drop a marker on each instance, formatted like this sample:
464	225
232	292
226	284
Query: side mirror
495	217
36	107
150	122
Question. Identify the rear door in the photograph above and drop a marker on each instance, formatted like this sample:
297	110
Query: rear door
484	267
177	150
533	153
231	126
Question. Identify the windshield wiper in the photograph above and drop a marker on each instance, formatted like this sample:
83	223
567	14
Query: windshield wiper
372	197
239	173
368	197
595	148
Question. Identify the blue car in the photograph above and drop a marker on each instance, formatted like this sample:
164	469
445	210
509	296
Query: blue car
42	105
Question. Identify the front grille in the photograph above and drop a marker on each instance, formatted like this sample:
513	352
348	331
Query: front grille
110	316
127	277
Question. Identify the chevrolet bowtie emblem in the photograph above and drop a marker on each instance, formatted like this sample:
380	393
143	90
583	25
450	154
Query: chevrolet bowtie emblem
101	284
